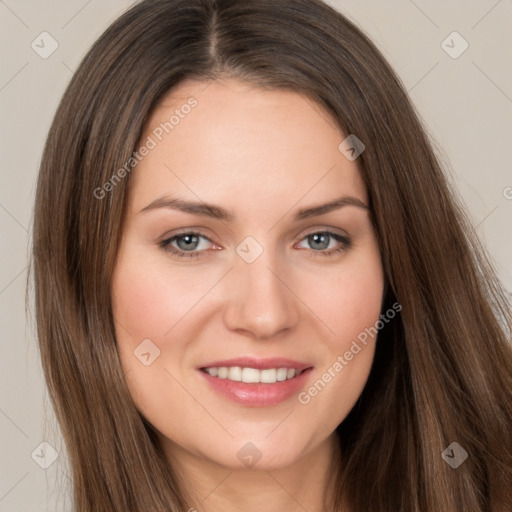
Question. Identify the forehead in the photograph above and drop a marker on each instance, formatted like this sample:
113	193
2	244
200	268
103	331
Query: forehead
228	140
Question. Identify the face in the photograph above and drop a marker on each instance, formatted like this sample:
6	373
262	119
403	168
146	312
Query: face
238	295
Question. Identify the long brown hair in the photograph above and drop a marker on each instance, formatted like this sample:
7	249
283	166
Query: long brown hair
443	369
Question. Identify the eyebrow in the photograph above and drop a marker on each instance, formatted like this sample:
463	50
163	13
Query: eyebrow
217	212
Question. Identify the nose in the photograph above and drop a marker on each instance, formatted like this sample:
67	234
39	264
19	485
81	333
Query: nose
262	303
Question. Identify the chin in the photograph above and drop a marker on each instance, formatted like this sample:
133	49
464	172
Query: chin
259	454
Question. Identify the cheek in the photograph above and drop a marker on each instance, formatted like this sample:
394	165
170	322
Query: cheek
350	306
137	304
146	306
351	300
148	301
151	301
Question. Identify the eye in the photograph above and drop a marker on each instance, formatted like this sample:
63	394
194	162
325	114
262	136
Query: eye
319	241
188	245
193	244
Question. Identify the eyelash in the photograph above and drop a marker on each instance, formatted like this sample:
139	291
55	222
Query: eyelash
166	244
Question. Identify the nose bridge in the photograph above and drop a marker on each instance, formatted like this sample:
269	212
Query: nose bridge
262	304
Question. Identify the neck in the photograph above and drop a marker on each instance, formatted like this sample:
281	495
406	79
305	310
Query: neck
301	486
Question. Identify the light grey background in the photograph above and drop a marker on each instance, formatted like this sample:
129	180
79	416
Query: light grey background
466	104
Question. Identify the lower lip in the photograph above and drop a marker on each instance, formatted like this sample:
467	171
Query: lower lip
257	395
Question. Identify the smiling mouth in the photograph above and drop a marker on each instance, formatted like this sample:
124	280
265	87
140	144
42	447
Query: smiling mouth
253	375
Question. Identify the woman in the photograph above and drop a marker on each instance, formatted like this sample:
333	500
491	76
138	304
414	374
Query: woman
254	287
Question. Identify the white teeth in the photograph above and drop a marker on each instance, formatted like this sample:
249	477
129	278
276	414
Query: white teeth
222	373
268	376
235	373
253	375
281	374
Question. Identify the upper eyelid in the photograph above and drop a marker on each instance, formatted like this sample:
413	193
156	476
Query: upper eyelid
183	232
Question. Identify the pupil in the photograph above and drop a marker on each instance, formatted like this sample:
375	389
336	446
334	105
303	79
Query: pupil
317	239
190	240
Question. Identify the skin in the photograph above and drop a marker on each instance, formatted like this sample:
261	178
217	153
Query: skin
262	155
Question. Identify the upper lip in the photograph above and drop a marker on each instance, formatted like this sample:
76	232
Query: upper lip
259	364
